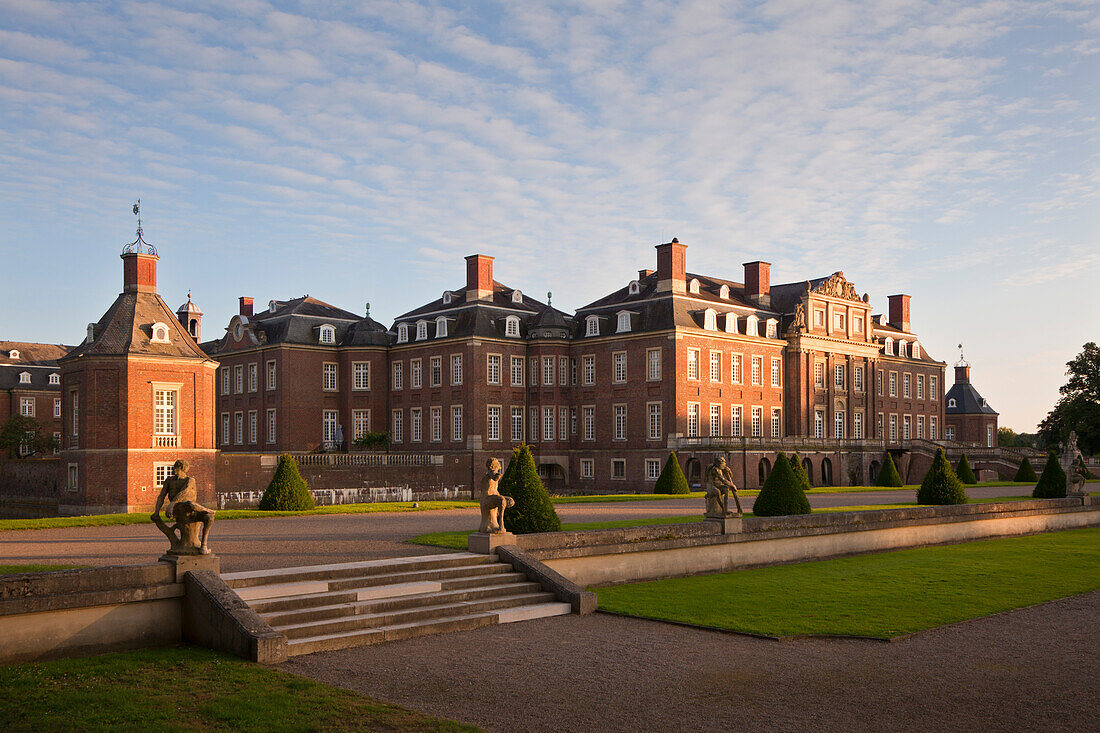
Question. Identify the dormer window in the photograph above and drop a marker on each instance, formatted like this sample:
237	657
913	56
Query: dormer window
916	350
55	378
403	333
623	325
693	286
888	346
710	320
772	328
421	330
14	354
511	326
951	402
440	327
751	326
517	296
592	326
160	333
634	287
901	347
446	297
731	322
24	377
327	334
724	292
271	306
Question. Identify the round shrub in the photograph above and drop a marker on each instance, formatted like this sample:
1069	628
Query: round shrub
1052	484
782	493
941	485
533	510
800	472
288	491
963	471
1026	472
888	475
672	479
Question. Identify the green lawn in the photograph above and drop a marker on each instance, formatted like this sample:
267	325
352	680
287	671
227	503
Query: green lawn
13	569
190	689
884	594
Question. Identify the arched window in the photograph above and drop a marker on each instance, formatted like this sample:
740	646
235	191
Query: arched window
592	326
402	333
160	333
13	354
327	334
511	326
731	322
446	297
809	469
724	292
193	326
888	346
623	325
750	326
826	472
951	402
763	469
634	288
710	319
421	330
693	286
916	350
901	347
55	378
440	327
772	328
517	296
272	305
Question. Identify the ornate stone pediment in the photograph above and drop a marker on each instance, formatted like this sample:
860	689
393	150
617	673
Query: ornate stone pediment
838	287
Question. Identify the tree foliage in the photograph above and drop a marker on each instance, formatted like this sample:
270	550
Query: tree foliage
533	510
672	479
888	475
782	493
26	433
287	491
941	485
964	473
1079	406
1052	484
1026	472
800	472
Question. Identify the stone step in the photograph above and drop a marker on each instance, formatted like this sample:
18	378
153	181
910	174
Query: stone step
387	566
357	622
341	608
418	575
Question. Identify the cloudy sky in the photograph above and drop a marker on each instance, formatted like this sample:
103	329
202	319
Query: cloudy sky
357	151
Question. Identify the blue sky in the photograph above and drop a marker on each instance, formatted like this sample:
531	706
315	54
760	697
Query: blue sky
357	151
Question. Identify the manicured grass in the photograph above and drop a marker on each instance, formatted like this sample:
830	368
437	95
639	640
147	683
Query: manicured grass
611	498
885	594
185	688
13	569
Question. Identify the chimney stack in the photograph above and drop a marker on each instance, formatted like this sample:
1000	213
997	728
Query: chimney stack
758	283
962	374
479	277
246	307
139	272
899	313
643	274
672	267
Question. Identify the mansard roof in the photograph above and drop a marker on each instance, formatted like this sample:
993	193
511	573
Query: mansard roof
502	298
127	329
709	288
32	354
967	401
298	320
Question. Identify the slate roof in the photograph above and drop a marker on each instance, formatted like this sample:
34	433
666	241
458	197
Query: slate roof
297	321
31	353
485	318
502	298
967	401
126	328
709	288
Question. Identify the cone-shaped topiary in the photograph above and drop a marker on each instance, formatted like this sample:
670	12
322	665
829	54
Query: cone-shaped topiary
1052	484
533	511
888	475
782	493
672	479
963	471
941	485
800	472
288	491
1026	472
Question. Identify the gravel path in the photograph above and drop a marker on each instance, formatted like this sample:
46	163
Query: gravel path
1031	669
252	544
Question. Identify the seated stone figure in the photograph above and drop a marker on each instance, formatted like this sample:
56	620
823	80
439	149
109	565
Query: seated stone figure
719	486
493	503
1075	477
191	529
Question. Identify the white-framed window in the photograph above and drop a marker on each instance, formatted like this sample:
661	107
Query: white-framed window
588	368
225	380
724	292
588	468
893	384
906	385
511	326
238	379
14	353
693	363
397	426
710	319
618	468
57	407
857	378
533	371
456	423
751	326
920	386
592	326
160	333
893	428
819	423
271	375
623	323
421	330
456	369
916	350
328	427
772	329
436	416
271	425
548	371
492	369
573	372
360	375
164	411
225	428
327	335
716	366
715	420
492	423
777	423
878	426
988	436
838	424
435	371
161	471
907	427
572	420
55	379
950	432
329	380
548	421
253	426
819	375
920	427
74	399
857	325
416	376
517	424
653	365
731	322
238	428
563	371
933	388
878	382
902	344
26	406
397	370
24	377
618	367
517	371
857	425
440	327
757	422
735	421
360	423
72	483
533	425
416	424
838	321
693	286
735	369
777	376
253	377
633	288
693	420
888	346
932	428
654	410
757	367
563	424
838	376
653	466
402	333
619	413
588	419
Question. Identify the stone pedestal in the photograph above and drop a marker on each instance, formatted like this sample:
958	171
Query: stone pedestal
729	525
186	563
484	543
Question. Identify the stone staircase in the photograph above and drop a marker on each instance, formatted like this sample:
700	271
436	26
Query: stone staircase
325	607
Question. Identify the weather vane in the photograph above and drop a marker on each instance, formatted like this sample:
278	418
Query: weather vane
549	295
962	358
139	245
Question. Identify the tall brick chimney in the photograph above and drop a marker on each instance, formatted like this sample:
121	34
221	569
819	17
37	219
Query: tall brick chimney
246	306
758	282
139	272
479	277
899	313
672	267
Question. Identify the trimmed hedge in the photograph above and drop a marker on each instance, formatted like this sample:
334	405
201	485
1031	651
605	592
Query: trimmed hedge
1052	484
963	471
941	485
800	472
533	510
782	493
288	491
1026	472
672	479
888	475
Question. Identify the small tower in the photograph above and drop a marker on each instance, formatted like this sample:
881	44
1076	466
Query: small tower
968	418
190	317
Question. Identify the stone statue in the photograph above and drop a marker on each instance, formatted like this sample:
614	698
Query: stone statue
719	485
192	520
798	325
493	503
1075	479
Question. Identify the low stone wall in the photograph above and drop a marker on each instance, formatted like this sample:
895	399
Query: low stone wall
604	557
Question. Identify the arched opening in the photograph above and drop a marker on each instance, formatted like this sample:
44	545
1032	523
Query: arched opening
193	326
826	472
874	467
763	469
694	472
809	469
